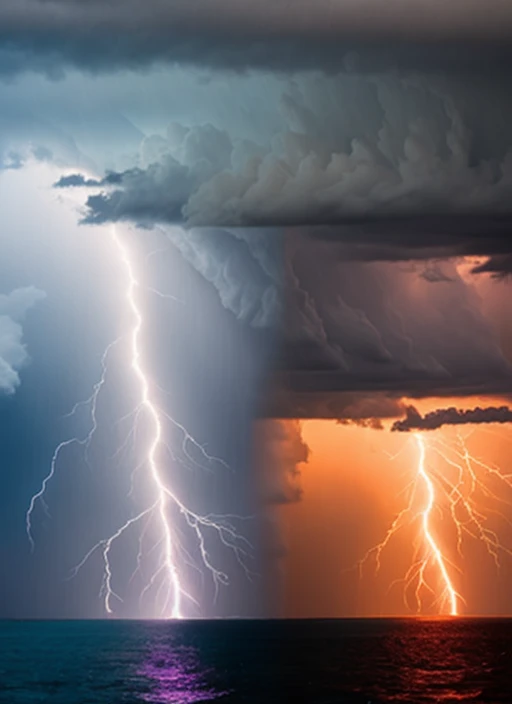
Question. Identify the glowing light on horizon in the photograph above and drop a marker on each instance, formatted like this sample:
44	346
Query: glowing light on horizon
165	501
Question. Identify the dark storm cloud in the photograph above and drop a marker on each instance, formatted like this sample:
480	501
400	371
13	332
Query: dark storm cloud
451	416
373	182
48	35
284	401
350	148
372	423
353	337
425	237
499	265
388	329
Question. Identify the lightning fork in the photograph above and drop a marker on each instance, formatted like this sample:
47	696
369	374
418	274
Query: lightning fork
460	484
92	403
166	507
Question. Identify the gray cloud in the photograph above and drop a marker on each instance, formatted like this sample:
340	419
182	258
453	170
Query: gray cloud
283	401
384	327
357	337
76	181
339	296
13	354
47	35
243	268
499	265
451	416
351	337
403	146
425	237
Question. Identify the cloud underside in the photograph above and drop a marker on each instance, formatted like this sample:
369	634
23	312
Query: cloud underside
299	184
353	337
451	416
48	35
351	148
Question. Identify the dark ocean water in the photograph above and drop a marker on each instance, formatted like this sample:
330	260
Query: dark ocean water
324	662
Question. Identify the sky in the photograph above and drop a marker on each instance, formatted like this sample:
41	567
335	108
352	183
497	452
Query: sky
306	206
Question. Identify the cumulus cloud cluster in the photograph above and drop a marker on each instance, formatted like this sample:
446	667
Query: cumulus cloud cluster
360	306
13	353
358	176
451	416
401	147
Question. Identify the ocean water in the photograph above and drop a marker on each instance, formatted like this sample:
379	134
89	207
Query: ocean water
319	662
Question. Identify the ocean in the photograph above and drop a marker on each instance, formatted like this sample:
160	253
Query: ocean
355	661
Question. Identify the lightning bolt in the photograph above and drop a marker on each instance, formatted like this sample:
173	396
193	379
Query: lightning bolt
459	487
434	551
92	404
166	507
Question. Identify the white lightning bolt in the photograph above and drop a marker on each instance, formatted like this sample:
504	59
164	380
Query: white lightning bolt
92	403
152	411
165	500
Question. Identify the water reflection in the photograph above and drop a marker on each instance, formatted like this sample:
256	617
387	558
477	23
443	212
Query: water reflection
174	675
437	661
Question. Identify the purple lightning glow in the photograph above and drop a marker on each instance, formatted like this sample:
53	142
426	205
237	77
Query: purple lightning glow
175	677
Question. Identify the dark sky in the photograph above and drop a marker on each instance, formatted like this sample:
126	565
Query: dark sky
325	188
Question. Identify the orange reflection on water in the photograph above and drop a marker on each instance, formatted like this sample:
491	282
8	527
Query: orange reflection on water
436	662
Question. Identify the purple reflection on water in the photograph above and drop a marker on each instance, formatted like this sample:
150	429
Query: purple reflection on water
175	675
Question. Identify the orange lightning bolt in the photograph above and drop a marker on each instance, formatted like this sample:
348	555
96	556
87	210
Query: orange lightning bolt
459	487
434	550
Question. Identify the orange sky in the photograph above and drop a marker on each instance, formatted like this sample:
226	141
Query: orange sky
352	490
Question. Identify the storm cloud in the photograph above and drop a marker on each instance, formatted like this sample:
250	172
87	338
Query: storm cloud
243	268
48	35
451	416
353	337
386	327
350	148
331	219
